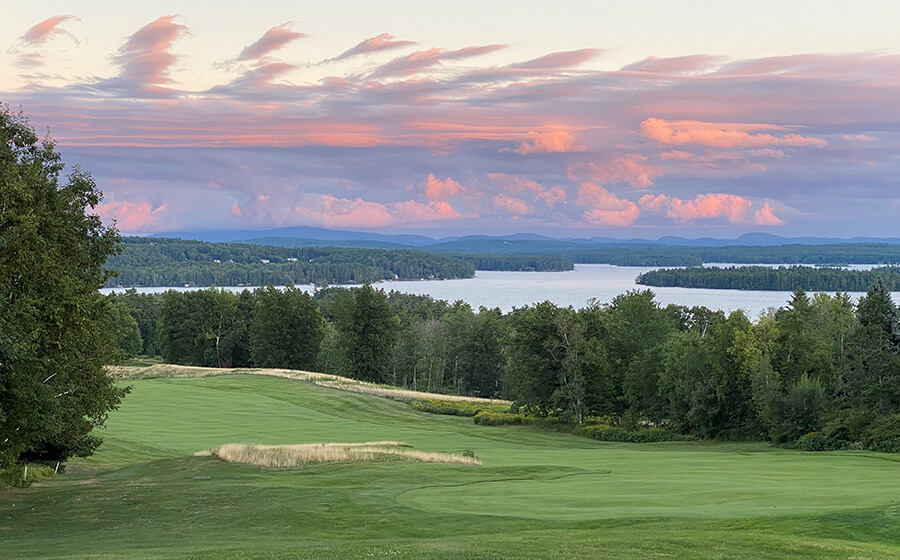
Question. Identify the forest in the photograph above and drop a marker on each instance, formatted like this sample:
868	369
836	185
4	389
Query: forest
819	373
782	278
177	262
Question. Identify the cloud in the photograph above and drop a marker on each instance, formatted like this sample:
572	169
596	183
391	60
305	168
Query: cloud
691	64
274	39
378	43
765	216
42	32
514	184
421	60
630	169
858	138
28	54
436	189
511	204
732	208
676	155
562	59
553	196
551	139
721	135
131	217
331	211
145	58
605	208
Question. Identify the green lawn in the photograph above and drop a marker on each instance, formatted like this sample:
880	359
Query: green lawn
538	494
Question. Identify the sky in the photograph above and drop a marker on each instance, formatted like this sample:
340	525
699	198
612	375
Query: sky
623	119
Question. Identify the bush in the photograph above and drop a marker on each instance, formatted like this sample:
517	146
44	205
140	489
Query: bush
885	434
813	441
486	418
457	408
603	432
14	475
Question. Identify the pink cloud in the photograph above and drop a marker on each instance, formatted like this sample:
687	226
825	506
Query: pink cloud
605	208
733	208
331	211
42	32
676	154
551	139
274	39
145	59
691	64
721	135
765	216
563	59
131	217
378	43
436	189
514	183
35	37
629	169
553	196
420	60
412	211
858	138
511	204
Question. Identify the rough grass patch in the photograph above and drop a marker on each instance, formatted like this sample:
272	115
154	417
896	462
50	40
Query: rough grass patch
311	453
158	371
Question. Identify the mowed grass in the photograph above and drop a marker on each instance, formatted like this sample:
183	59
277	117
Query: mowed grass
537	494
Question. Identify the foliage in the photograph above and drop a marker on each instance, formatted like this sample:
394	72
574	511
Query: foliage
645	435
286	330
488	418
885	434
457	408
53	342
179	262
370	336
782	278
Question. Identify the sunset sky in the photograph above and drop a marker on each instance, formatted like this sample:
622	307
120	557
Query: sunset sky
614	118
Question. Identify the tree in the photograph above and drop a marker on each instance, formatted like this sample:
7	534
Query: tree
873	353
286	330
371	336
54	389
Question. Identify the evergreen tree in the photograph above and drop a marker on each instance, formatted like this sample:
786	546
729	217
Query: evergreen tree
371	336
286	329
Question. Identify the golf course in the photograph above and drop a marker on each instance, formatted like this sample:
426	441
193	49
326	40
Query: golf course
536	494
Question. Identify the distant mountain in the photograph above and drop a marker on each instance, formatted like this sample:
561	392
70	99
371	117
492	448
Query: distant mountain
516	243
302	232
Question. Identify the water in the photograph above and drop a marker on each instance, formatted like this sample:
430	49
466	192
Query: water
507	290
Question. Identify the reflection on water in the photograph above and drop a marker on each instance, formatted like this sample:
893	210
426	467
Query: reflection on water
600	281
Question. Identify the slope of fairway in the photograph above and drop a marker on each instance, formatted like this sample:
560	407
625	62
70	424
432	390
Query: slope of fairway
537	494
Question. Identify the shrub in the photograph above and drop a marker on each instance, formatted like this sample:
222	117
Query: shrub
885	434
457	408
486	418
14	475
813	441
644	435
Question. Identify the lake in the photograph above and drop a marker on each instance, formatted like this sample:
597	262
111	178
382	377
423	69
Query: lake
601	281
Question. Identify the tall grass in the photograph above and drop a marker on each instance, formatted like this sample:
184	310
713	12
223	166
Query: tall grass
158	371
310	453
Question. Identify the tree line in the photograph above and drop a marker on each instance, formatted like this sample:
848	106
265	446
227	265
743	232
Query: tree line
817	373
177	262
782	278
